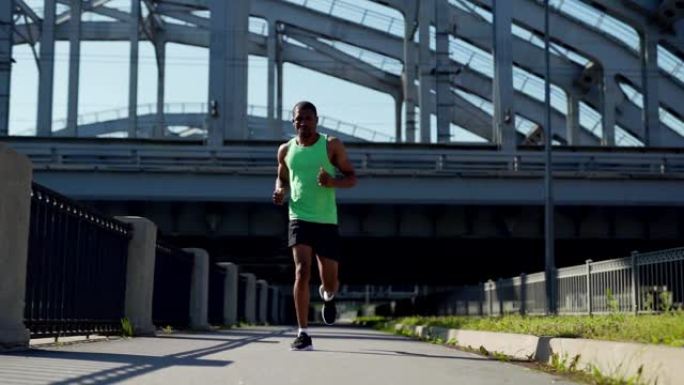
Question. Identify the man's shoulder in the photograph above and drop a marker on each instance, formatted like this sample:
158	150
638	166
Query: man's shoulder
282	149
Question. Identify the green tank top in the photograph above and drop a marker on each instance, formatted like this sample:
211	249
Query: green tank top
309	201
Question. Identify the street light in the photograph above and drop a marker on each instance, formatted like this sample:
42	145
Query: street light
549	236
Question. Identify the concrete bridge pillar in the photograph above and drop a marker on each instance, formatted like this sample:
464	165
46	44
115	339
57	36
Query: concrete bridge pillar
199	293
262	301
140	274
230	297
250	296
15	209
274	305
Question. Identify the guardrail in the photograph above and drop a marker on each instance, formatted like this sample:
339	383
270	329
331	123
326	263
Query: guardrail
76	268
640	283
369	158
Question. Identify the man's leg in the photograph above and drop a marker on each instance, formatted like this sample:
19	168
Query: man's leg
328	268
302	258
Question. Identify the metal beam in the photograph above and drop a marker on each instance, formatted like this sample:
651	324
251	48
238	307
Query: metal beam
6	44
504	112
445	71
572	121
46	69
160	54
409	76
425	66
74	66
649	79
275	127
228	70
134	36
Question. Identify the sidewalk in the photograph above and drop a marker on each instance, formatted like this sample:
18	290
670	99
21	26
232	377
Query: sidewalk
261	356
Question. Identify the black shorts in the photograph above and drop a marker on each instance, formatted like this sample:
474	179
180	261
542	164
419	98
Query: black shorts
323	238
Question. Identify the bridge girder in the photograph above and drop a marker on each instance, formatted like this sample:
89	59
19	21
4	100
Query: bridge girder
349	32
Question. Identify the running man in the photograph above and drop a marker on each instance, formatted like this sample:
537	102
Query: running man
306	169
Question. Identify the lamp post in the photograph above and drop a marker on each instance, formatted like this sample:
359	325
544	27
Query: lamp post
549	236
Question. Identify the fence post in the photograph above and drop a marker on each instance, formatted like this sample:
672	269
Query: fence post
262	301
250	298
140	274
230	297
499	295
15	210
523	294
482	294
199	290
489	287
635	282
589	297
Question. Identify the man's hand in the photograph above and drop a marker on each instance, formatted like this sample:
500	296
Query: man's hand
324	179
279	196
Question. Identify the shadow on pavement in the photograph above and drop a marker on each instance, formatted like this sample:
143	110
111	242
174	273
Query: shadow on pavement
106	368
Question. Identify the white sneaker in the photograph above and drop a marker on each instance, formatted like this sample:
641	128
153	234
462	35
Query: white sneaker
324	295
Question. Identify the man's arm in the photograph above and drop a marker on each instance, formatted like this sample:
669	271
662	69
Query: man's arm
282	183
341	161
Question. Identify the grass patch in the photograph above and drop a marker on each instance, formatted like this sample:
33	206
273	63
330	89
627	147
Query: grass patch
666	329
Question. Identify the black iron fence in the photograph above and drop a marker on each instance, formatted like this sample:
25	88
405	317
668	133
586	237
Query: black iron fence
217	278
76	268
172	285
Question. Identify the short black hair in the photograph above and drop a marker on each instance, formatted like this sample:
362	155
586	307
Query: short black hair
304	105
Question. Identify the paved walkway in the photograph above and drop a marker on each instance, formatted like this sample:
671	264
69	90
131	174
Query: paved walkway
261	356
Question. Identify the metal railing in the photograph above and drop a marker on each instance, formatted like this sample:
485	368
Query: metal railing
640	283
257	158
76	269
217	279
172	285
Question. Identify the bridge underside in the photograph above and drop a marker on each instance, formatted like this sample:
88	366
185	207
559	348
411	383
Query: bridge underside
415	244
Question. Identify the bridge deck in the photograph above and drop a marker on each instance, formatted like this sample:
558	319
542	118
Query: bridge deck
260	356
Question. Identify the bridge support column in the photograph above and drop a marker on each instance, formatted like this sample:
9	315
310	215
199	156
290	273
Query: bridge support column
445	98
199	292
15	209
74	66
262	301
275	125
230	297
409	75
228	70
250	296
426	68
608	103
160	51
46	70
504	114
6	32
653	129
572	121
133	70
398	103
140	274
274	305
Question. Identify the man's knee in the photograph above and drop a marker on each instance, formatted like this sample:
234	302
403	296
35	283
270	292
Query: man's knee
303	272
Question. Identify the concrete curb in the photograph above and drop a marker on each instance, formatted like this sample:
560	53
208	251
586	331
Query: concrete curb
614	359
